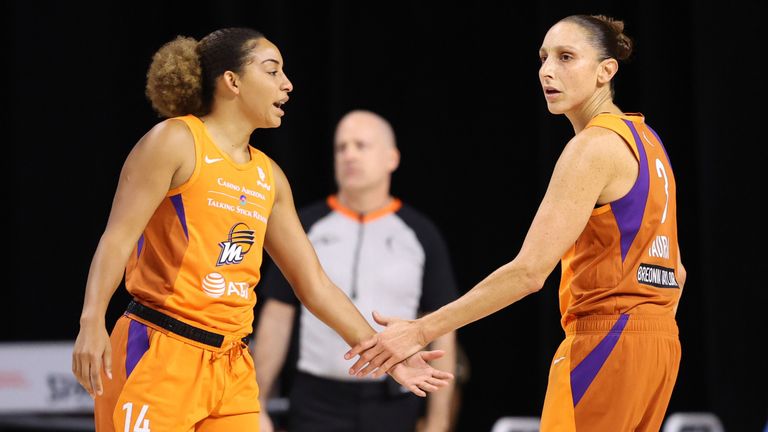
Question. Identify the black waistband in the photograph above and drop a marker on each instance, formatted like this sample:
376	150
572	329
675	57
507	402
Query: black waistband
175	326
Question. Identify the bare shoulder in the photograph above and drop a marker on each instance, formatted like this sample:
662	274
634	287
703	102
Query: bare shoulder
282	187
170	136
597	140
595	146
168	147
607	158
276	169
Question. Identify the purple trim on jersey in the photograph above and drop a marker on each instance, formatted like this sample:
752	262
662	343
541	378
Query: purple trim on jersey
138	344
660	143
583	374
141	246
629	209
178	204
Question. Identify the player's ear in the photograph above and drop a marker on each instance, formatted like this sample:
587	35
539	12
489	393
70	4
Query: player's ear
231	82
607	70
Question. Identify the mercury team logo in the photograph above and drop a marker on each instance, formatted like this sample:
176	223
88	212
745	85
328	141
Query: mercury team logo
239	242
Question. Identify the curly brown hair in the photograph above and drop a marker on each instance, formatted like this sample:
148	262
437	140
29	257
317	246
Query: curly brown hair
174	79
182	77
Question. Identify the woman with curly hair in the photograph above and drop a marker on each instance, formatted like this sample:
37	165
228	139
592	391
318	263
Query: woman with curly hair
194	207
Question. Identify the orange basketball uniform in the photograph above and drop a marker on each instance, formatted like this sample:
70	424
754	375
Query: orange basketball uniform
198	262
617	366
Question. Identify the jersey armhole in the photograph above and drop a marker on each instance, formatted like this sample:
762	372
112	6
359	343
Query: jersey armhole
626	135
198	156
620	129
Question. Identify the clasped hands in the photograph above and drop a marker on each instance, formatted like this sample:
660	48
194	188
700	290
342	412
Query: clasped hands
397	351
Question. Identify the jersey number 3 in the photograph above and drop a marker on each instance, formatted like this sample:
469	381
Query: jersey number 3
662	173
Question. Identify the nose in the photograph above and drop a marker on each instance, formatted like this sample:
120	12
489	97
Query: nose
287	85
545	71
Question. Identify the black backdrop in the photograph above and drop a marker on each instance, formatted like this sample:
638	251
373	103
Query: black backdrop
460	85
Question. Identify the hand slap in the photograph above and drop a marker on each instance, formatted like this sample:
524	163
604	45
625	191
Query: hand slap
418	376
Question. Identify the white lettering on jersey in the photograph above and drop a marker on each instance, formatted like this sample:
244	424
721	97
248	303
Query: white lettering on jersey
662	172
141	425
660	247
216	286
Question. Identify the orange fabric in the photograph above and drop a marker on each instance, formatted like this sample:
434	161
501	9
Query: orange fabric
631	389
625	260
392	207
162	383
198	259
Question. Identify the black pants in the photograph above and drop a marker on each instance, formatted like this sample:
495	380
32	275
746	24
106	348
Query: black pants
320	405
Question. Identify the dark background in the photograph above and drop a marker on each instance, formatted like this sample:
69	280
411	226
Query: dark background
460	85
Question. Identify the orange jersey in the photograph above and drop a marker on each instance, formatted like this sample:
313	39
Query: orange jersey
626	259
198	259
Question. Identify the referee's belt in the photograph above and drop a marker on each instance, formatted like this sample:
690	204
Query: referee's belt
175	326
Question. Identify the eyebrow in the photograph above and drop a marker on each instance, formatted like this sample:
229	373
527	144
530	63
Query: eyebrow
271	60
560	48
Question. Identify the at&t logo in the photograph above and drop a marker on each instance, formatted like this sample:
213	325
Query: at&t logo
215	286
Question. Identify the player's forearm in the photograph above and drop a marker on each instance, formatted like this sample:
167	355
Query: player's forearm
329	304
501	288
104	276
273	335
267	370
439	403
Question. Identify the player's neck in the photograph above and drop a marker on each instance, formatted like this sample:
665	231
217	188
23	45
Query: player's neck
229	134
601	102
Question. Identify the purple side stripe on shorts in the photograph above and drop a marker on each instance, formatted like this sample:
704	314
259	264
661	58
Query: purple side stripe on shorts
583	374
138	344
178	204
629	209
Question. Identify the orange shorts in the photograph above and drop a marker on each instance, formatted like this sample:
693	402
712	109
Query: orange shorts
162	382
612	373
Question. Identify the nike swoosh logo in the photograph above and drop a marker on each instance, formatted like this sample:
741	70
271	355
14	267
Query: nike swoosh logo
558	360
210	161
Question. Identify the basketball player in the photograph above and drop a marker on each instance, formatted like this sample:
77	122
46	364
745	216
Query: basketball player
194	207
609	214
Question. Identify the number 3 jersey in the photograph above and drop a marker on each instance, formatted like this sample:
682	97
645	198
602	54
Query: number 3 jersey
199	256
626	259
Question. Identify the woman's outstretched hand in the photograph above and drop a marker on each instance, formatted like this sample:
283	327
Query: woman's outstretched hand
397	342
418	376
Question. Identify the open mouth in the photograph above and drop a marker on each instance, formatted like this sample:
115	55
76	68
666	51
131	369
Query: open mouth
279	105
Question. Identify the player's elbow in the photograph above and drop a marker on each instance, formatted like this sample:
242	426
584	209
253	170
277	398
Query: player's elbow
531	279
533	284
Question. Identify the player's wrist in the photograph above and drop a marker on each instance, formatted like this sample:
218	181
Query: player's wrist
91	320
425	332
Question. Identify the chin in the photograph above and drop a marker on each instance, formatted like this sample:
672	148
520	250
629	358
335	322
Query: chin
555	110
274	123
